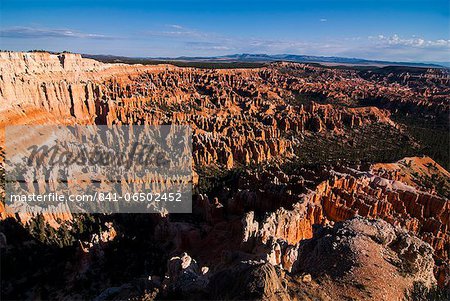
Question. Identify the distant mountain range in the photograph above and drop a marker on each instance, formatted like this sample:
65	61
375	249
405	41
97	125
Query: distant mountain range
267	58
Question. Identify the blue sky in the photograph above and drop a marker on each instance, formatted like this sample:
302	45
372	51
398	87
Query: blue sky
401	30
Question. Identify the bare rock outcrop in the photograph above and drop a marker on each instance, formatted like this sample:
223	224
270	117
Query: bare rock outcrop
362	254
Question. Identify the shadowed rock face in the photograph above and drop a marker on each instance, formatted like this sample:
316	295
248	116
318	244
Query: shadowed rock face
344	197
353	259
253	234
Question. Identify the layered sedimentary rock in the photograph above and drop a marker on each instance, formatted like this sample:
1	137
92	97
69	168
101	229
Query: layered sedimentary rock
375	197
238	116
357	252
275	235
345	196
260	227
425	92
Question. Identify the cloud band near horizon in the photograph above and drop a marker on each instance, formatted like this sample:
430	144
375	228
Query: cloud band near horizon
193	41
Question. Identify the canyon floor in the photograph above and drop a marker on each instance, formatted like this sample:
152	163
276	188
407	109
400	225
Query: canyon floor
310	183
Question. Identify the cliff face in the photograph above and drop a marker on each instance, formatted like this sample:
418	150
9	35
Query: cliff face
421	213
19	63
344	197
36	88
355	252
69	85
238	116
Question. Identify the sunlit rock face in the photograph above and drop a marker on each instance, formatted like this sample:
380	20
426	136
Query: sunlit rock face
239	116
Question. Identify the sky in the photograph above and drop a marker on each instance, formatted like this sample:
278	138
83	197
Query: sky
396	30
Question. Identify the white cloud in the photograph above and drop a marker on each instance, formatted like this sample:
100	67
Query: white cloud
323	20
208	46
184	40
29	32
414	41
381	47
176	26
178	31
